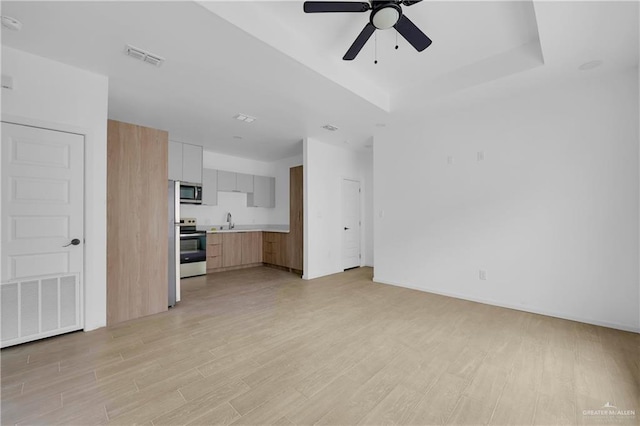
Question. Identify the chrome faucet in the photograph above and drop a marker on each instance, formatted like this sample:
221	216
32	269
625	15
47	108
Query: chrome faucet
231	225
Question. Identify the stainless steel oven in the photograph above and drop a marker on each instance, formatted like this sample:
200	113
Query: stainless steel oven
193	249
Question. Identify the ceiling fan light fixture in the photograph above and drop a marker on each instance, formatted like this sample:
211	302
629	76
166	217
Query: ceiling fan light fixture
386	17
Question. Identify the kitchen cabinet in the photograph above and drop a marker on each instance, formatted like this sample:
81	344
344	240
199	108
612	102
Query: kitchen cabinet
214	252
185	162
231	249
137	217
226	181
234	182
275	248
175	161
244	183
295	218
251	247
264	192
209	187
191	163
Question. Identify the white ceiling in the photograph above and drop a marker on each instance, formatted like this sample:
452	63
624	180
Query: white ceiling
272	61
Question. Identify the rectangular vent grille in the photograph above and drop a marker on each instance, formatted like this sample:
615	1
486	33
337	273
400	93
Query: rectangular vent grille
143	55
39	307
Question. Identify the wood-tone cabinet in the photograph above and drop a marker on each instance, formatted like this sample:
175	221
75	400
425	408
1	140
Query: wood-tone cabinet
286	249
251	247
275	248
137	217
185	162
214	251
295	247
209	187
231	249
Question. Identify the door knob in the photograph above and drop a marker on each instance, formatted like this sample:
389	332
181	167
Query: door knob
73	242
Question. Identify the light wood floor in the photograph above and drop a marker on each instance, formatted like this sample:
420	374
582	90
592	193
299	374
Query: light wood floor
260	346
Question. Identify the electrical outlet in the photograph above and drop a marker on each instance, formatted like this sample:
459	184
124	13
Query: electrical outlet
480	155
482	274
451	159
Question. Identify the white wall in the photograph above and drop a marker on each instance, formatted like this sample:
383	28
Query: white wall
325	166
236	203
551	213
57	96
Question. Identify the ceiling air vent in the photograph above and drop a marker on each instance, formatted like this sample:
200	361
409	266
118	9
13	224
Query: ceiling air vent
143	55
330	128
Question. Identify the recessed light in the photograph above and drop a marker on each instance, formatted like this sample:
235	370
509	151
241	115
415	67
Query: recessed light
590	65
381	125
330	128
143	55
11	23
237	137
244	117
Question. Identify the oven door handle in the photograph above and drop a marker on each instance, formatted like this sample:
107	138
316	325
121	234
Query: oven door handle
193	234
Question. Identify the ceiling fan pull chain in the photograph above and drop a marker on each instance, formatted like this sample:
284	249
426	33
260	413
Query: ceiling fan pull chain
396	40
375	47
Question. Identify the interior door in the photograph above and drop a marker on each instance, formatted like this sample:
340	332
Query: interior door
42	232
351	224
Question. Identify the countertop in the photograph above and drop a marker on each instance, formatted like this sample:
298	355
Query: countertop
244	228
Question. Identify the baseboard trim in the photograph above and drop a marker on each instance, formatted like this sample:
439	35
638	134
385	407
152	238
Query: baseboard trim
531	310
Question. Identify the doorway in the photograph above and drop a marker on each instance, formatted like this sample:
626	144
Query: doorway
351	224
42	233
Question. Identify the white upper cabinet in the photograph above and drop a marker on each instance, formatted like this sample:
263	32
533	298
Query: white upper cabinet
185	162
191	163
244	183
260	190
264	192
209	187
226	181
175	161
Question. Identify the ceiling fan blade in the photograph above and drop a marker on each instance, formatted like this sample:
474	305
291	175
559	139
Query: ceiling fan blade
359	43
335	6
410	2
412	34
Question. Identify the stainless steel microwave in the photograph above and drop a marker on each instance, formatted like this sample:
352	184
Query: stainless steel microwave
190	193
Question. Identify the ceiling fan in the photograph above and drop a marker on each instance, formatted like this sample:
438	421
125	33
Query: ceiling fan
384	15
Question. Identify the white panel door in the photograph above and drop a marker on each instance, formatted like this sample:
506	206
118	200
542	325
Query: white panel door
42	232
350	224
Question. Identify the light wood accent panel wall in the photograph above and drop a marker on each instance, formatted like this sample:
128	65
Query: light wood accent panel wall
137	221
295	243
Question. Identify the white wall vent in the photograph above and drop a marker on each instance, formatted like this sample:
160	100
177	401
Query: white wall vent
143	55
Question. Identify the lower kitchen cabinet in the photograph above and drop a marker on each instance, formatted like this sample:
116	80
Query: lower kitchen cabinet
251	247
275	249
231	249
214	252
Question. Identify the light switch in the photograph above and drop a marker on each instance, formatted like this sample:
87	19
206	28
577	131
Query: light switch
450	159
